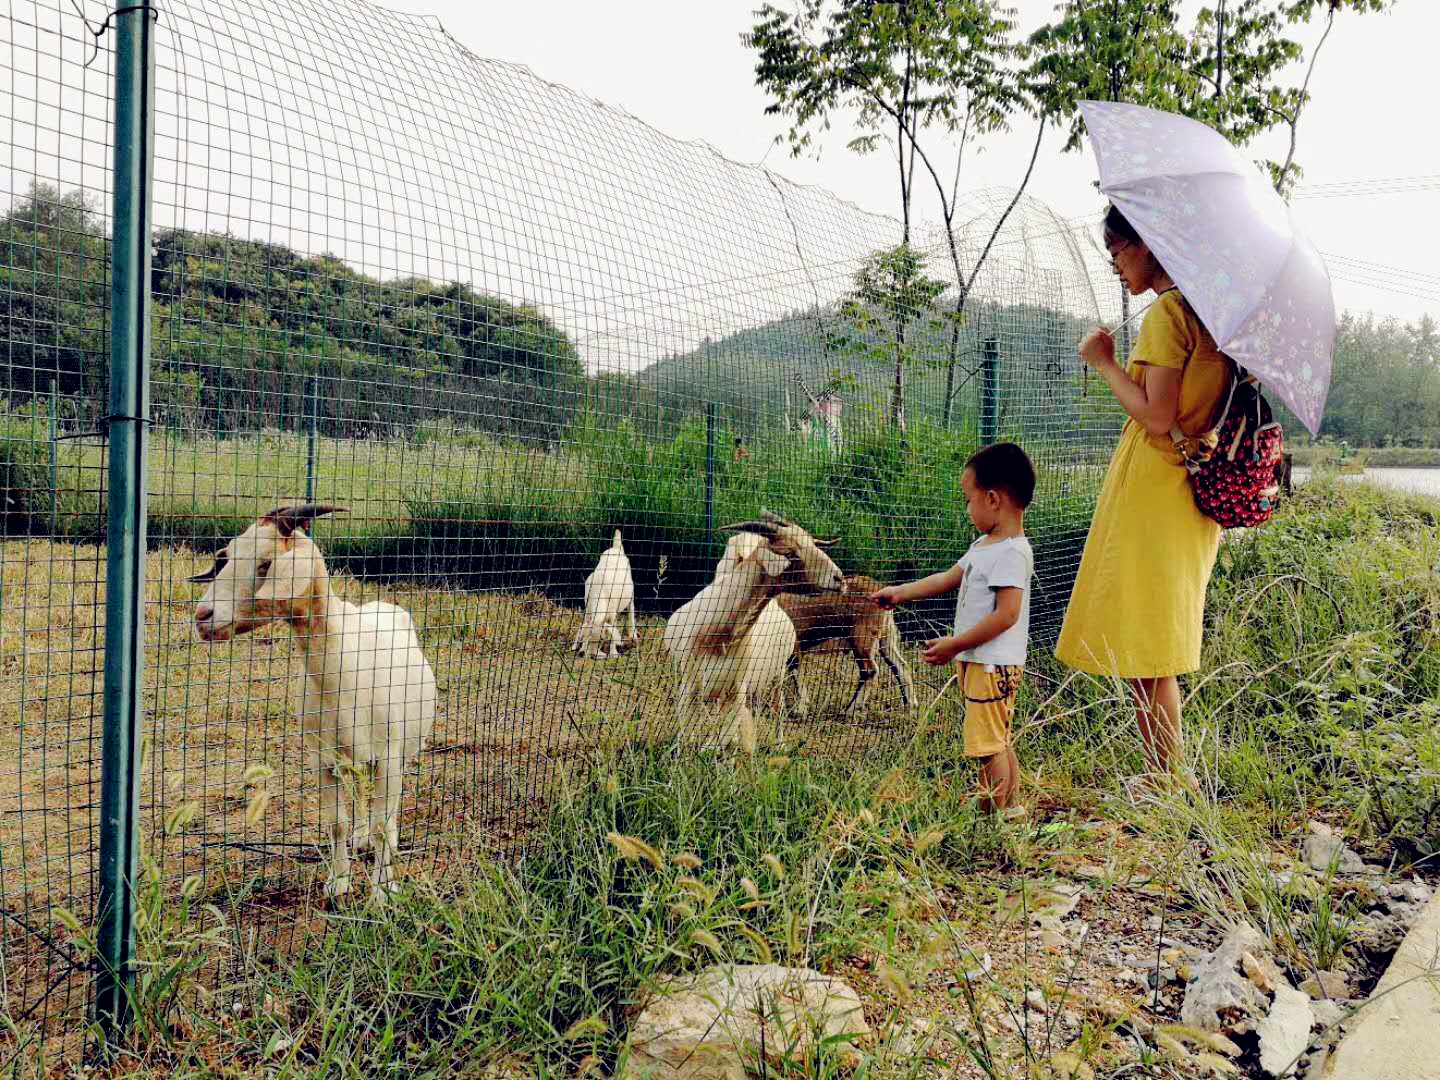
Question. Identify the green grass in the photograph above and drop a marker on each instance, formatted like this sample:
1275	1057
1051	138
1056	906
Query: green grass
1375	457
461	508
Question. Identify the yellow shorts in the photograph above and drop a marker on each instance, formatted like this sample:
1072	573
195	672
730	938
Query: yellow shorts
989	704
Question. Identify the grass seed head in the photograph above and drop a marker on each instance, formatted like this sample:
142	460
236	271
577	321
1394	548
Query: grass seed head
927	840
708	941
697	889
588	1028
632	848
894	981
256	807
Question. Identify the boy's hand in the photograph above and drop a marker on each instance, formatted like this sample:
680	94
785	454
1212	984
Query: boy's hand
940	651
888	598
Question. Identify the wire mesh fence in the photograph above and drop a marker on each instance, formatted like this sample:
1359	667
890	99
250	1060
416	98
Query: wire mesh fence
494	322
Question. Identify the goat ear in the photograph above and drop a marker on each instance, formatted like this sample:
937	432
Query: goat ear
289	518
210	575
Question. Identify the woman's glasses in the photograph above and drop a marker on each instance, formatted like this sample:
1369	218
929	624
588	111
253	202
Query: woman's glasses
1115	253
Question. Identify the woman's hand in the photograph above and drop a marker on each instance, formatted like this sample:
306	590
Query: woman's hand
1098	348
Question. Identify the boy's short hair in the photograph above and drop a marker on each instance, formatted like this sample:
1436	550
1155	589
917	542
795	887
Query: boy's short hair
1004	467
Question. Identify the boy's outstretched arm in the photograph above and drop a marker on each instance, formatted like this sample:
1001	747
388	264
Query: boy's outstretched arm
1006	614
892	596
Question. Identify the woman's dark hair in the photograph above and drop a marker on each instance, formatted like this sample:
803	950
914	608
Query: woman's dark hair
1004	467
1118	228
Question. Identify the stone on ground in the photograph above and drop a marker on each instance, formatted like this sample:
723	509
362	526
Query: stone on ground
1218	994
1285	1032
711	1027
1324	848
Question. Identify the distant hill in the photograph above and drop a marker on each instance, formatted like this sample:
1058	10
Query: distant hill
748	373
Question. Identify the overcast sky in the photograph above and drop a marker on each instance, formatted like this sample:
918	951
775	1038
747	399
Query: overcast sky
680	67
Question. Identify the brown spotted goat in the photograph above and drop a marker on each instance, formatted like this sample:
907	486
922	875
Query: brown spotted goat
853	618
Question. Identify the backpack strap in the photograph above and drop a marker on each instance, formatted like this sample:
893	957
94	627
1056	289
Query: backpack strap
1237	376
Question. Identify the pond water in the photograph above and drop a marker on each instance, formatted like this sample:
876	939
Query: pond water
1413	481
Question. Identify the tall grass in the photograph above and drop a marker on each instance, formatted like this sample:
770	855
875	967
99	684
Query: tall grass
448	506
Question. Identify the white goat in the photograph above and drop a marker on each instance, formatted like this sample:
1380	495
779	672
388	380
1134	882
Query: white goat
733	641
367	696
609	593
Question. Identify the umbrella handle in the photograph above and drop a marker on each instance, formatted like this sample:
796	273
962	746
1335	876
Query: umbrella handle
1133	316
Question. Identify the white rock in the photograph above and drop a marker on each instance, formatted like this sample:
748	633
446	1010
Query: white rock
911	1039
710	1027
1410	892
1285	1032
1323	847
1035	1000
1328	1014
1218	993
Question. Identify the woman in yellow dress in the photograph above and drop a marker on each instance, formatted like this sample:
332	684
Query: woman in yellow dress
1137	610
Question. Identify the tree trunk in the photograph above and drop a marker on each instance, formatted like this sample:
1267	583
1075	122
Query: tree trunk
897	391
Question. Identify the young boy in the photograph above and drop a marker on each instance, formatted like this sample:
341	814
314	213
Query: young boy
992	611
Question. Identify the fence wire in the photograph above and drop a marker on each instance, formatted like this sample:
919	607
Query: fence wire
495	322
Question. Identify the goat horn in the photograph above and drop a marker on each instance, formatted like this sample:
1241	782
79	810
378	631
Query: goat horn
764	528
213	572
289	518
826	543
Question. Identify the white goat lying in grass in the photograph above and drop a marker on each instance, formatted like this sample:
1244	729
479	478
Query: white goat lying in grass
609	593
368	695
733	641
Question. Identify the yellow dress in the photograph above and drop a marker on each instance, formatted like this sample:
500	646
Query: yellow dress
1138	606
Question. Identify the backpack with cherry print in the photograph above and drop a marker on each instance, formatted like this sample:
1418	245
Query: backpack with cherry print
1235	466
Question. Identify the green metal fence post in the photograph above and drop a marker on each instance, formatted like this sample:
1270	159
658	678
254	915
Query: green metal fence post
989	391
314	420
125	531
54	463
709	448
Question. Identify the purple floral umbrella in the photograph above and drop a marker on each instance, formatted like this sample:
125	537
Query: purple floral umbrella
1228	241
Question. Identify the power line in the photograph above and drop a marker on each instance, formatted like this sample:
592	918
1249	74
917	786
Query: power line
1382	268
1380	185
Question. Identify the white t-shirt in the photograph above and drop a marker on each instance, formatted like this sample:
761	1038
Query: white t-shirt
990	566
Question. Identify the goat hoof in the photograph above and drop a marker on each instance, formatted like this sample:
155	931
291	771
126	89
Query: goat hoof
361	840
337	887
380	894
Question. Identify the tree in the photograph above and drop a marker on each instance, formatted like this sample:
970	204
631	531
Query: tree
1238	50
1386	385
914	75
891	291
1107	50
1227	69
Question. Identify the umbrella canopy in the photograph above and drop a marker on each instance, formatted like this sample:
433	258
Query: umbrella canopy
1229	242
